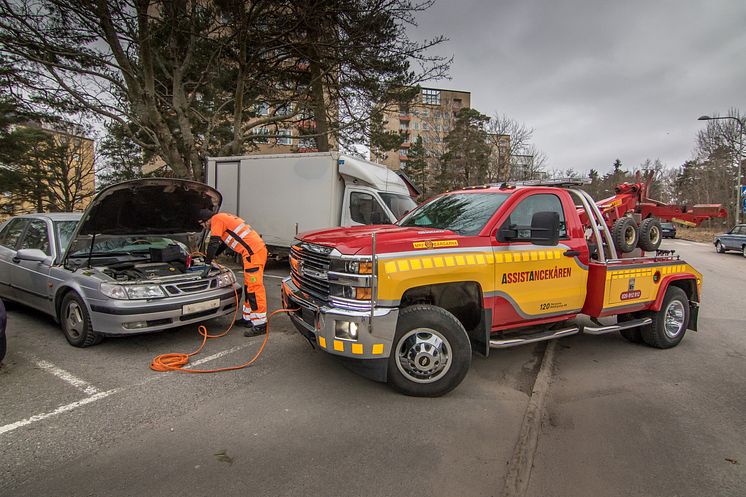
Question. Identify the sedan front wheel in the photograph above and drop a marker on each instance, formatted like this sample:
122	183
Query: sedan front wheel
76	322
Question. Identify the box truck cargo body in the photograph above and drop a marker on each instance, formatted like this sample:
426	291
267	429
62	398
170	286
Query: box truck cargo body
284	194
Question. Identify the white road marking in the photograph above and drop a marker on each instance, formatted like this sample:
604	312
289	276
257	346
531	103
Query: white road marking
215	356
66	376
59	410
96	395
273	276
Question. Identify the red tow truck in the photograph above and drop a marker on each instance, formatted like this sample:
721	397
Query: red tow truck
480	268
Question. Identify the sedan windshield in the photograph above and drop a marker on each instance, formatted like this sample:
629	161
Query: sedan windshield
462	213
108	245
64	232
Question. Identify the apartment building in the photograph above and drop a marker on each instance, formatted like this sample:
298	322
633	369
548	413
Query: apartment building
430	115
65	173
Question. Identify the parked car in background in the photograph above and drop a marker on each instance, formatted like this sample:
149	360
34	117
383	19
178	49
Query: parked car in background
3	322
668	230
735	239
123	267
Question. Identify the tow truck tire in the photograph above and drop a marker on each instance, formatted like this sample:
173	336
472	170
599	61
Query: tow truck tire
431	352
651	235
76	322
670	323
625	234
633	335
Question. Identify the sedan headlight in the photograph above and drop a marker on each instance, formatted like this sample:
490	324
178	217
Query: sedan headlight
134	292
144	292
226	279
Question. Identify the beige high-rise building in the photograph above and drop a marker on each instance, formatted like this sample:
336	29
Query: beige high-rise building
430	115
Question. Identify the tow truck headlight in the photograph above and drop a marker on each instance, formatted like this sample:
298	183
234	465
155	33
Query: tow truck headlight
351	292
226	279
352	266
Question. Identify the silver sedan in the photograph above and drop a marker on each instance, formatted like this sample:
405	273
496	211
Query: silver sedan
123	267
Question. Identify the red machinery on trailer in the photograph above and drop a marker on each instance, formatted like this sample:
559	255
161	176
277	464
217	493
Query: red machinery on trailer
633	217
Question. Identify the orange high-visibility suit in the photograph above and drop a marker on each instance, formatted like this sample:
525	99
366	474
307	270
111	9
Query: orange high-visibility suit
235	233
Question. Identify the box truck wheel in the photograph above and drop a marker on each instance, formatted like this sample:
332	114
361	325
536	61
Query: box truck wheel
431	353
650	234
624	232
669	324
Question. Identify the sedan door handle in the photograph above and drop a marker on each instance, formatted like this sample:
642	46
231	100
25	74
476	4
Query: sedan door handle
571	253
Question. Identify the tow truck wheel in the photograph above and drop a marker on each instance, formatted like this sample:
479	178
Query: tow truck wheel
633	335
76	323
669	324
624	233
650	234
431	353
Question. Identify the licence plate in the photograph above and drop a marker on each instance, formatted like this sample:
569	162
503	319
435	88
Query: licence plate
200	306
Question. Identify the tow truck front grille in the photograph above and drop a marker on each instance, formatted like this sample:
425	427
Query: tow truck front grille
309	267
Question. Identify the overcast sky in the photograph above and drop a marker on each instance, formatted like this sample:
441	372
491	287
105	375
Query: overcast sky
597	80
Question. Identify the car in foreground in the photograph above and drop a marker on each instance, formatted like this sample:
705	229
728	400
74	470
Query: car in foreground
123	267
735	239
668	230
3	323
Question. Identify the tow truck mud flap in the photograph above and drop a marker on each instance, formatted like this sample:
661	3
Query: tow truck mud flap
373	369
693	315
480	336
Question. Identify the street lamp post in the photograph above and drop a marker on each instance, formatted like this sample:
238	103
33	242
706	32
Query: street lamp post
742	125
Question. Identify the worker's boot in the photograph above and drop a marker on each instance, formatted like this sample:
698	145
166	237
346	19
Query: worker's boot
257	330
242	322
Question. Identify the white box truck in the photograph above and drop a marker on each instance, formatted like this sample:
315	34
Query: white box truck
284	194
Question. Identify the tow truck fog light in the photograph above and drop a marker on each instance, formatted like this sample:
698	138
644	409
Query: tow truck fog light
346	330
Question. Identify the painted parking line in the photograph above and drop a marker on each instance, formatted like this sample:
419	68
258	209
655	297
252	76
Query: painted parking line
84	386
65	376
59	410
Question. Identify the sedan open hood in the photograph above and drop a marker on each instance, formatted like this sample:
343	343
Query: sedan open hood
148	207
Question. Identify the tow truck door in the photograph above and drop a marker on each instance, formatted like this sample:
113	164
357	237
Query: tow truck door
534	282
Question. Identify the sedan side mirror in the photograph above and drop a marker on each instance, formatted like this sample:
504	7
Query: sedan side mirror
33	255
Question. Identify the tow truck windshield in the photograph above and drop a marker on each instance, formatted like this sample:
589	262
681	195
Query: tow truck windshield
462	213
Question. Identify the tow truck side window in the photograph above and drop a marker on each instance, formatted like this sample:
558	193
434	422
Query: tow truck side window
522	214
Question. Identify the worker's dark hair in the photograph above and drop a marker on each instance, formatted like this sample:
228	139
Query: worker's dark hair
204	214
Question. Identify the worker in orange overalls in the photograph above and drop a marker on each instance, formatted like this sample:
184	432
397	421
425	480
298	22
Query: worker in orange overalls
232	231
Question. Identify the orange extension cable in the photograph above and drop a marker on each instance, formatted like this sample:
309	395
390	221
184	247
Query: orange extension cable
177	361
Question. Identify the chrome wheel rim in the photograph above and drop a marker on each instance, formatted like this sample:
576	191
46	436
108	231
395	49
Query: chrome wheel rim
717	246
423	355
673	319
74	320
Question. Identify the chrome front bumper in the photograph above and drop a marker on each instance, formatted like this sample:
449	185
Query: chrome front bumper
316	320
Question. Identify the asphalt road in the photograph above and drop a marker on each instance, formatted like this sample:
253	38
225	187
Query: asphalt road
619	419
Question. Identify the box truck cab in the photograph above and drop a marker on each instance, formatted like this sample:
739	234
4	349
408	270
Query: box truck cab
284	194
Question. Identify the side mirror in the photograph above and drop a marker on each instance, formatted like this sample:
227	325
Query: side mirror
33	255
545	228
